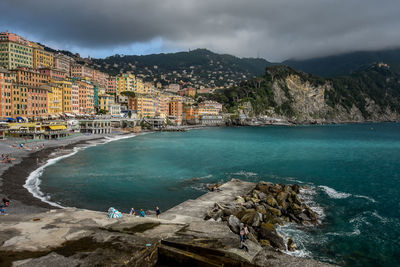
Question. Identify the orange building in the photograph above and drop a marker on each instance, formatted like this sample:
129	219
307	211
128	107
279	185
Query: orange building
191	113
86	97
191	92
175	110
30	101
33	78
7	79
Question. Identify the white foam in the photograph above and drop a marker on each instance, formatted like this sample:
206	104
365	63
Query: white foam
365	197
247	174
307	195
299	237
332	193
32	183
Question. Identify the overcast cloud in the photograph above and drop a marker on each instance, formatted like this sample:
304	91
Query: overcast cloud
273	29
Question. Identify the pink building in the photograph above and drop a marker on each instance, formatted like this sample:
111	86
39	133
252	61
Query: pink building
75	98
6	36
54	74
111	85
81	71
100	78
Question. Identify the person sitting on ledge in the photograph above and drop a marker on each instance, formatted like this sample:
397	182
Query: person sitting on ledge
132	212
142	213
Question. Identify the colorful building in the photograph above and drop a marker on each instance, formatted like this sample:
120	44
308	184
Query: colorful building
111	85
86	97
63	63
75	98
7	79
81	71
55	99
145	106
31	77
54	74
100	78
66	95
13	55
41	57
191	92
175	110
126	82
30	101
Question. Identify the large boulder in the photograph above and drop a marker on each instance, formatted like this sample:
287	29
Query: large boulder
261	209
234	224
264	187
272	201
275	212
248	217
291	245
268	232
296	188
239	200
282	197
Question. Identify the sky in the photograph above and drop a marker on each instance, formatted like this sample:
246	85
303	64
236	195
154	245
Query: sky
273	29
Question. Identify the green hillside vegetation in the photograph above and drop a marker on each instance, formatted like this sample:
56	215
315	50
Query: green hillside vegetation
380	84
346	64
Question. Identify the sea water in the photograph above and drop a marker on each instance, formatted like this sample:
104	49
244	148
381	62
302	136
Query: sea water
352	174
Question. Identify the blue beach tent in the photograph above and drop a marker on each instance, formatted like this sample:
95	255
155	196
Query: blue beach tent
20	119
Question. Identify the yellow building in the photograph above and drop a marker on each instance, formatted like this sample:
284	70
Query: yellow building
105	101
66	95
145	106
126	82
54	99
41	57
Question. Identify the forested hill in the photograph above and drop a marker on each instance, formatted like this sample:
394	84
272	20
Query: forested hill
371	94
199	66
345	64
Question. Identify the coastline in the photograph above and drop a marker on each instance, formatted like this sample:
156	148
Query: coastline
14	176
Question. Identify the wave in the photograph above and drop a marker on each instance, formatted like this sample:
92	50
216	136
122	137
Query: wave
32	183
307	195
332	193
247	174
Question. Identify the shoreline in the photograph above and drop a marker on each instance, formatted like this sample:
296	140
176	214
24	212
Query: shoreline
14	176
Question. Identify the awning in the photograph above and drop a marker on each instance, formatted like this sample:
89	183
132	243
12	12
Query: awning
58	127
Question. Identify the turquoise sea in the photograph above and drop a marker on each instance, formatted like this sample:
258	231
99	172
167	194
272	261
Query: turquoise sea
352	172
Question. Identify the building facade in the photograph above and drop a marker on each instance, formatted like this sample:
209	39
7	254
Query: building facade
7	80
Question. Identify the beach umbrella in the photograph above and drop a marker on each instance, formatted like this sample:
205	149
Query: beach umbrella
20	119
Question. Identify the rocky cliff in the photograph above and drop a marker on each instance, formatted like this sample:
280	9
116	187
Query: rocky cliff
370	95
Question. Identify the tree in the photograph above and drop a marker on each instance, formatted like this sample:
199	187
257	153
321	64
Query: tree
129	114
128	94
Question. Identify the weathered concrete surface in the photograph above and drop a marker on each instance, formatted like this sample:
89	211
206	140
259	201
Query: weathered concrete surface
195	210
75	237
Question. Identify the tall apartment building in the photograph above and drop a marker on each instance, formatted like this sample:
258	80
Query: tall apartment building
15	51
30	92
63	63
54	99
176	109
75	98
54	74
86	97
41	57
100	78
7	80
145	106
81	71
111	85
66	95
126	82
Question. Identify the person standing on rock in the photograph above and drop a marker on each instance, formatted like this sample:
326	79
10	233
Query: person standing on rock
243	239
158	212
246	232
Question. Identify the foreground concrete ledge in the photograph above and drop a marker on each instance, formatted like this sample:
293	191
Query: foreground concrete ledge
73	237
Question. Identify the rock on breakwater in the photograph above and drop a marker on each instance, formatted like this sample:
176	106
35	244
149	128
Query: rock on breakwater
264	207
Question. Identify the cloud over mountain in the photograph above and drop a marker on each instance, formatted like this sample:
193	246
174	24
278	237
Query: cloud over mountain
273	29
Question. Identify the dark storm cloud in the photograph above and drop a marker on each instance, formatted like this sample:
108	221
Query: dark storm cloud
274	29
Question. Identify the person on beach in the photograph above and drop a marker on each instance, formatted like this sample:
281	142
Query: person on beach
243	239
6	201
3	211
158	212
142	213
132	212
